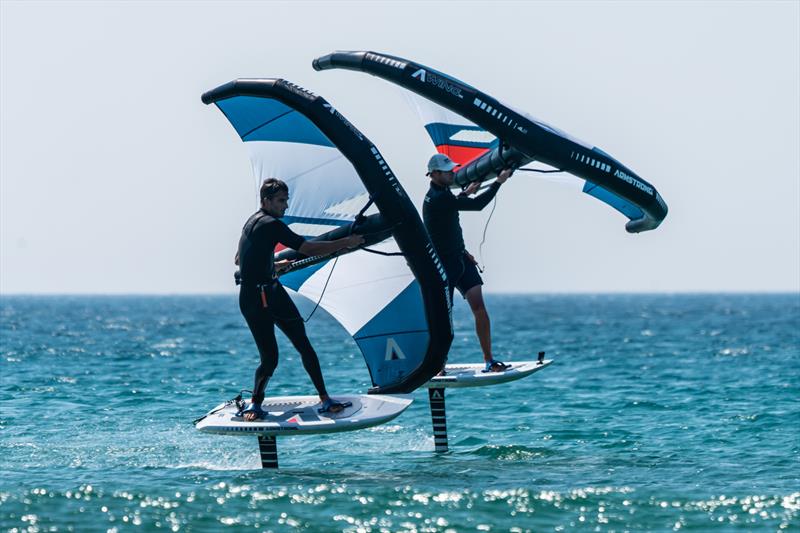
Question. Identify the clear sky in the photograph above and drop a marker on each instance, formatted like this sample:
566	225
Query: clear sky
115	178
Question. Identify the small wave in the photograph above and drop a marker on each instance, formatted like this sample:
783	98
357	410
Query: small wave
510	452
471	441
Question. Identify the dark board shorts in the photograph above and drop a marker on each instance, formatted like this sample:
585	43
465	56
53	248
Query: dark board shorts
462	274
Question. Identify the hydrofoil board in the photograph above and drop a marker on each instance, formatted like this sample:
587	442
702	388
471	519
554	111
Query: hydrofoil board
472	375
295	415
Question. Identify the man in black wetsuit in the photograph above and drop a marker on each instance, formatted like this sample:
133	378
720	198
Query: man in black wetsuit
440	214
263	300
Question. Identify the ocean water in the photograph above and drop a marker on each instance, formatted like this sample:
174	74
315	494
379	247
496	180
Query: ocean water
660	413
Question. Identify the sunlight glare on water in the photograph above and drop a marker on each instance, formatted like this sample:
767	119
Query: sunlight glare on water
660	413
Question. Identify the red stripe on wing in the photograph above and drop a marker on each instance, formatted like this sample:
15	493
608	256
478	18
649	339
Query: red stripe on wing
461	154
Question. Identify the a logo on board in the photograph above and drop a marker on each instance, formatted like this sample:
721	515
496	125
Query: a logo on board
393	351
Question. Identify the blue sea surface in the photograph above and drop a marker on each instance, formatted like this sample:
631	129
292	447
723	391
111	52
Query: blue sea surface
660	413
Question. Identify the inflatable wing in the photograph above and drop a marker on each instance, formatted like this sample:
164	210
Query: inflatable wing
395	307
494	136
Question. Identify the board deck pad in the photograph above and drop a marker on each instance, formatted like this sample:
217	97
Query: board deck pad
472	375
294	415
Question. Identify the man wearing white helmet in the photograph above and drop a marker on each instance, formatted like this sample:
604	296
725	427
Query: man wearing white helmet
440	214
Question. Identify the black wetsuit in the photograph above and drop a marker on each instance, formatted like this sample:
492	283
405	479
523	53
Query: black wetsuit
440	215
260	234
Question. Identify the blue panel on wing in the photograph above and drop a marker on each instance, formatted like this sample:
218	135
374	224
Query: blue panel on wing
620	204
288	220
392	357
247	113
292	127
442	133
294	280
267	119
405	313
394	342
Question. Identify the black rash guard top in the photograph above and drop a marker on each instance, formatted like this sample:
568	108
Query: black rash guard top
260	234
440	215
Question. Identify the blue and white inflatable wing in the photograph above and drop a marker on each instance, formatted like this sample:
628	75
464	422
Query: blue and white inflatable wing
394	306
469	125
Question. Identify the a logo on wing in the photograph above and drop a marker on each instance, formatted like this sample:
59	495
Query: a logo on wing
393	351
338	115
439	82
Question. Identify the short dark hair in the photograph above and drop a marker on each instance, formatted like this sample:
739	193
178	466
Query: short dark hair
271	187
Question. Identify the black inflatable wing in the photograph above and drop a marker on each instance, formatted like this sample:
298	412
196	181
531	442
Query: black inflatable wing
396	307
518	138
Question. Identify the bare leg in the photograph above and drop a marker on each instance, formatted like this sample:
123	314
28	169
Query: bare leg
483	327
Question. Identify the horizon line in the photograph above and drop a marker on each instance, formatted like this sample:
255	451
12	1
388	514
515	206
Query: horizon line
787	292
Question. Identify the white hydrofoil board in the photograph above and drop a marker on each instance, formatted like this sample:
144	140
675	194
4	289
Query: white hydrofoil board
295	415
472	375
